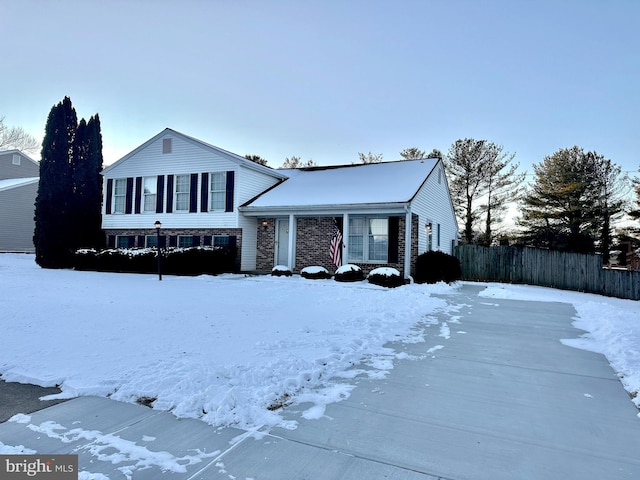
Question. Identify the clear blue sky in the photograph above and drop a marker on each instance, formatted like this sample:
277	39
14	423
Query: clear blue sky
325	80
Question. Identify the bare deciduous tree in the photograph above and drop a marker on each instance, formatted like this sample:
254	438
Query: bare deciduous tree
17	138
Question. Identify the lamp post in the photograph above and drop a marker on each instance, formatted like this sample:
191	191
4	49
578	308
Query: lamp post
158	225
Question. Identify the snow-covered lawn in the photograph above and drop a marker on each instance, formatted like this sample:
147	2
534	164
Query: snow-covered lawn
231	349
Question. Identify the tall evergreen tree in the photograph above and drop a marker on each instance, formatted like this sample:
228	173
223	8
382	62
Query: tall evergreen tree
68	204
476	170
572	202
53	225
87	184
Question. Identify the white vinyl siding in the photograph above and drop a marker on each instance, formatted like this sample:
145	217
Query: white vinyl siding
182	193
150	191
438	228
217	191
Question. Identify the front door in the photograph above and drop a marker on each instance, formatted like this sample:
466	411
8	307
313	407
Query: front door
282	242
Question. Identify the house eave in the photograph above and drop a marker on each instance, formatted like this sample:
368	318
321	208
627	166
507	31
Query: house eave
312	210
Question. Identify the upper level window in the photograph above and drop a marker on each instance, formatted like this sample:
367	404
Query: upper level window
182	193
150	190
119	194
218	191
16	159
368	239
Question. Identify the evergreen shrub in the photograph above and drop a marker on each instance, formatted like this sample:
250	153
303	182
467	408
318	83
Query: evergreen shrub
315	273
433	267
175	261
349	273
386	277
281	271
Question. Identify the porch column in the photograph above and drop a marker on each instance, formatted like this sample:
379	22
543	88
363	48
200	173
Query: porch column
345	237
407	242
292	234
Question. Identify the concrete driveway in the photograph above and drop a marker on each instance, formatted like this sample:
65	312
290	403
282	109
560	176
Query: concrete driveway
493	394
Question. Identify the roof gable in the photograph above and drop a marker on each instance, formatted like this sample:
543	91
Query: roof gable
237	159
375	183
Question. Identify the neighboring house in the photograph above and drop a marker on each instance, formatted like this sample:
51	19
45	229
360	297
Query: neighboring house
204	195
18	190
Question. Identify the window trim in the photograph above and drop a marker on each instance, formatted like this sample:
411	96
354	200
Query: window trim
153	179
116	196
366	236
177	193
180	237
222	191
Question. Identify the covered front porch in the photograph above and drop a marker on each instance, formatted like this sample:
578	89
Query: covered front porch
368	239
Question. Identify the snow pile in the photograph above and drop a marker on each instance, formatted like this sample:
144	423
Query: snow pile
229	350
613	326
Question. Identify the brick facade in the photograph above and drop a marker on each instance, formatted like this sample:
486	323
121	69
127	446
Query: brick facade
313	238
138	235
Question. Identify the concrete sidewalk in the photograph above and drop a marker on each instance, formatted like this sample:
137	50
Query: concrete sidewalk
491	394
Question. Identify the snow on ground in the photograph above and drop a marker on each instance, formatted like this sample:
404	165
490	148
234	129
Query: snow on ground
230	350
612	326
226	349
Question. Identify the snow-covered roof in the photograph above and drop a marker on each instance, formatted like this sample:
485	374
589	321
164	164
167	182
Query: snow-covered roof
16	182
373	183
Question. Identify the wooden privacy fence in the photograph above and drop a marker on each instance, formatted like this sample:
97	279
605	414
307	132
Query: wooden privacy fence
547	268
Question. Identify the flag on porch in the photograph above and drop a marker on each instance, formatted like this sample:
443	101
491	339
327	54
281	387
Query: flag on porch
336	246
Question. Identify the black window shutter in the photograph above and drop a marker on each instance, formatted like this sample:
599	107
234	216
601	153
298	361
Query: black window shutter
173	240
394	225
204	193
128	205
111	241
196	241
141	241
207	240
138	201
163	241
160	194
169	193
193	193
230	185
232	241
109	196
131	241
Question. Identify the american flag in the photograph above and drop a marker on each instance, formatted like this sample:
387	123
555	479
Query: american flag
336	246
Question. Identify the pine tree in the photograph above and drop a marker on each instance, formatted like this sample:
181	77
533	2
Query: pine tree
53	207
476	169
572	202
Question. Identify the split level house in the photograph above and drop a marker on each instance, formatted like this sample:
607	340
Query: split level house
387	213
19	176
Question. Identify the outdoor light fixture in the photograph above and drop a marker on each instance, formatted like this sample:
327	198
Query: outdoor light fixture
158	225
265	224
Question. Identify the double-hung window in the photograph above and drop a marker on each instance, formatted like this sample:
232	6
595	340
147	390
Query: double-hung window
182	193
119	194
368	239
217	191
150	191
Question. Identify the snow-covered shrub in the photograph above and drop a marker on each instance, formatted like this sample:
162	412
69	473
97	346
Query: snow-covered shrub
315	273
175	260
434	267
281	271
349	273
386	277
